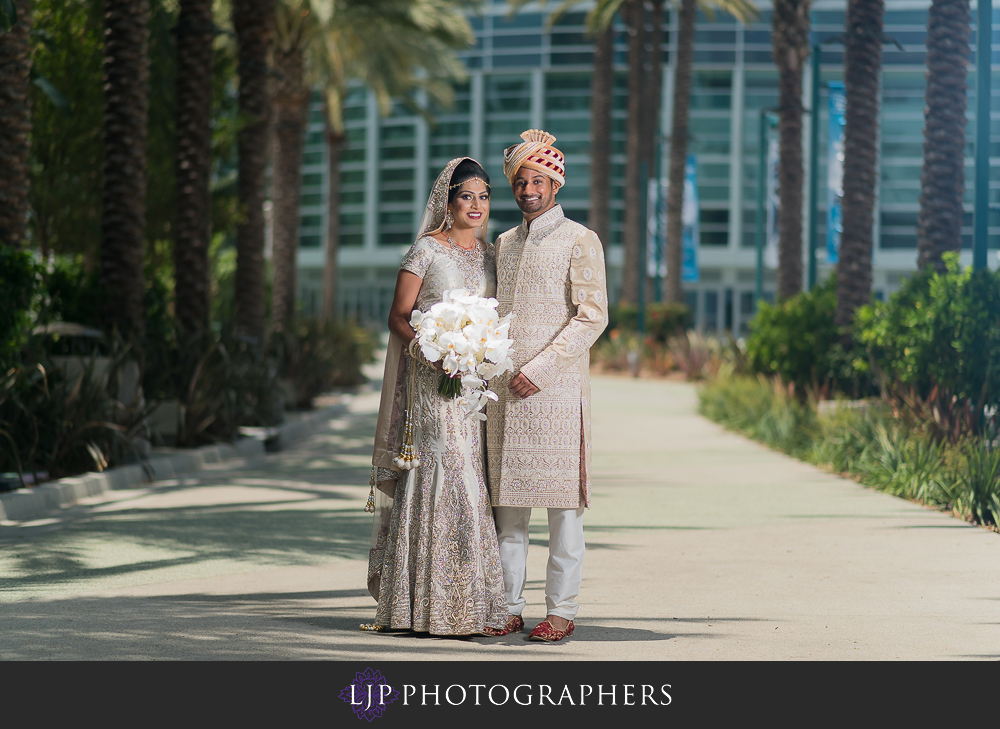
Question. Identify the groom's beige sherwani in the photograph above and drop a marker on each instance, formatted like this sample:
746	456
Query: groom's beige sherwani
552	277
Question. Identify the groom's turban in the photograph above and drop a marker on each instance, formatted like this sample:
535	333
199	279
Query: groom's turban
537	153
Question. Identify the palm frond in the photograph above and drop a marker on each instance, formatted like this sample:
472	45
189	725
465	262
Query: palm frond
395	47
742	10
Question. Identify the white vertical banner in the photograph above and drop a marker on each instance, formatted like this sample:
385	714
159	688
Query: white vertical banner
656	258
656	229
689	216
835	172
773	203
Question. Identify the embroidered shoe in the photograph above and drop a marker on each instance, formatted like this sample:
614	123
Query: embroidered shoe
514	625
545	631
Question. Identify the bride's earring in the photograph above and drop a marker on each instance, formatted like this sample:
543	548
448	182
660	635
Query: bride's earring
449	220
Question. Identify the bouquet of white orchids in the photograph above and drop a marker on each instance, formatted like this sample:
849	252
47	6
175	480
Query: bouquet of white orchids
469	338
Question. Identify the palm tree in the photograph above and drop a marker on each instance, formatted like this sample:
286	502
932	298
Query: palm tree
253	21
634	14
193	225
644	122
862	69
600	26
679	137
744	11
15	123
601	101
942	180
126	105
790	36
335	140
297	24
395	49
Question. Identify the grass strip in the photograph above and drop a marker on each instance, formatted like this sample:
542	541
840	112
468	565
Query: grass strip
864	441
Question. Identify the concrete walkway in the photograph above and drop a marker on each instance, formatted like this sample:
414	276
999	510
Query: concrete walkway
701	545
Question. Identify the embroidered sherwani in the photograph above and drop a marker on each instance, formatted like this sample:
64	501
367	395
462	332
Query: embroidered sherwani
551	275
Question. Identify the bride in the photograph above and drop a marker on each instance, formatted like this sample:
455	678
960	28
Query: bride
434	565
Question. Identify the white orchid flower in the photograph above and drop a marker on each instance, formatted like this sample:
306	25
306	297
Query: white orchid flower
465	333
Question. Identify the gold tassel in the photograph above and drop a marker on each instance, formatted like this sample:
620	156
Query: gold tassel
370	506
407	458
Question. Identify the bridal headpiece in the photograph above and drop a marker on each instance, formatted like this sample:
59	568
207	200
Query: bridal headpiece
435	214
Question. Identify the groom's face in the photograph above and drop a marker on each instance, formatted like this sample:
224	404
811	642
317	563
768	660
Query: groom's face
534	192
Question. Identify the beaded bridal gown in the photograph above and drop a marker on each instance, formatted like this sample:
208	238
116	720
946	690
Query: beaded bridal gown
434	564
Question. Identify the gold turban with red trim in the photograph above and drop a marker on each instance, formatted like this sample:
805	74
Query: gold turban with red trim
537	153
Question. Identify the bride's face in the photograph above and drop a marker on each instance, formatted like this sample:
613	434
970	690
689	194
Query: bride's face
471	205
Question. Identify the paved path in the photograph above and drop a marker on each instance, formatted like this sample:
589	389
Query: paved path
701	545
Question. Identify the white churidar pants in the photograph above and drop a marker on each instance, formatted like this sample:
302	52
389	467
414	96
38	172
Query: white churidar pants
564	572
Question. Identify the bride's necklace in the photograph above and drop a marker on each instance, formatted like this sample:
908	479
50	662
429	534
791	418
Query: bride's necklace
453	244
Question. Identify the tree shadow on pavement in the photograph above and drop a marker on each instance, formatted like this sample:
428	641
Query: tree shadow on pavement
160	538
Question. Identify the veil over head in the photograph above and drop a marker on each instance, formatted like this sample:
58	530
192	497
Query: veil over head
437	203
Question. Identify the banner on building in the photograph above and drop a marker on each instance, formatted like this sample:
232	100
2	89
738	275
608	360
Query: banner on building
773	202
656	258
835	171
689	215
656	229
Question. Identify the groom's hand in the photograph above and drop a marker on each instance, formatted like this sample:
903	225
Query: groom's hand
522	386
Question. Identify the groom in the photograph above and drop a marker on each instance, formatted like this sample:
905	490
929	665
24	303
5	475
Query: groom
550	273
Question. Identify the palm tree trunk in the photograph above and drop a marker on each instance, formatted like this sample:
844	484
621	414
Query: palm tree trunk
291	104
601	96
678	148
654	84
634	12
126	111
790	27
15	126
862	68
653	103
942	180
193	225
335	147
254	24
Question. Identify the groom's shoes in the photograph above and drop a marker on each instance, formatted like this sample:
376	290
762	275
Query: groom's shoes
514	625
547	632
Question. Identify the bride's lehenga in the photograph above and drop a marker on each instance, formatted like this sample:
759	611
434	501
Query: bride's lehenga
434	564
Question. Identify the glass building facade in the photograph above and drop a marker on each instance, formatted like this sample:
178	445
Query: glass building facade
523	74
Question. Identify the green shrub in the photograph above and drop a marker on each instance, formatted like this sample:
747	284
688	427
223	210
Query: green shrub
20	291
63	425
761	409
74	295
223	381
318	354
871	444
938	339
663	320
977	492
798	340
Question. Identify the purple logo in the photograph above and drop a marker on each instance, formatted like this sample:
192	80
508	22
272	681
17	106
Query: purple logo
369	694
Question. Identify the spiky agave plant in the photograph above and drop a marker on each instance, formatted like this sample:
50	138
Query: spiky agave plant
979	483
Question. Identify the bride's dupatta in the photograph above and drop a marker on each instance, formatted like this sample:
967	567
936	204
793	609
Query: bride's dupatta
392	407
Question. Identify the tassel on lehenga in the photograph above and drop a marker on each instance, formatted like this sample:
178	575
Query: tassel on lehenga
370	506
407	459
